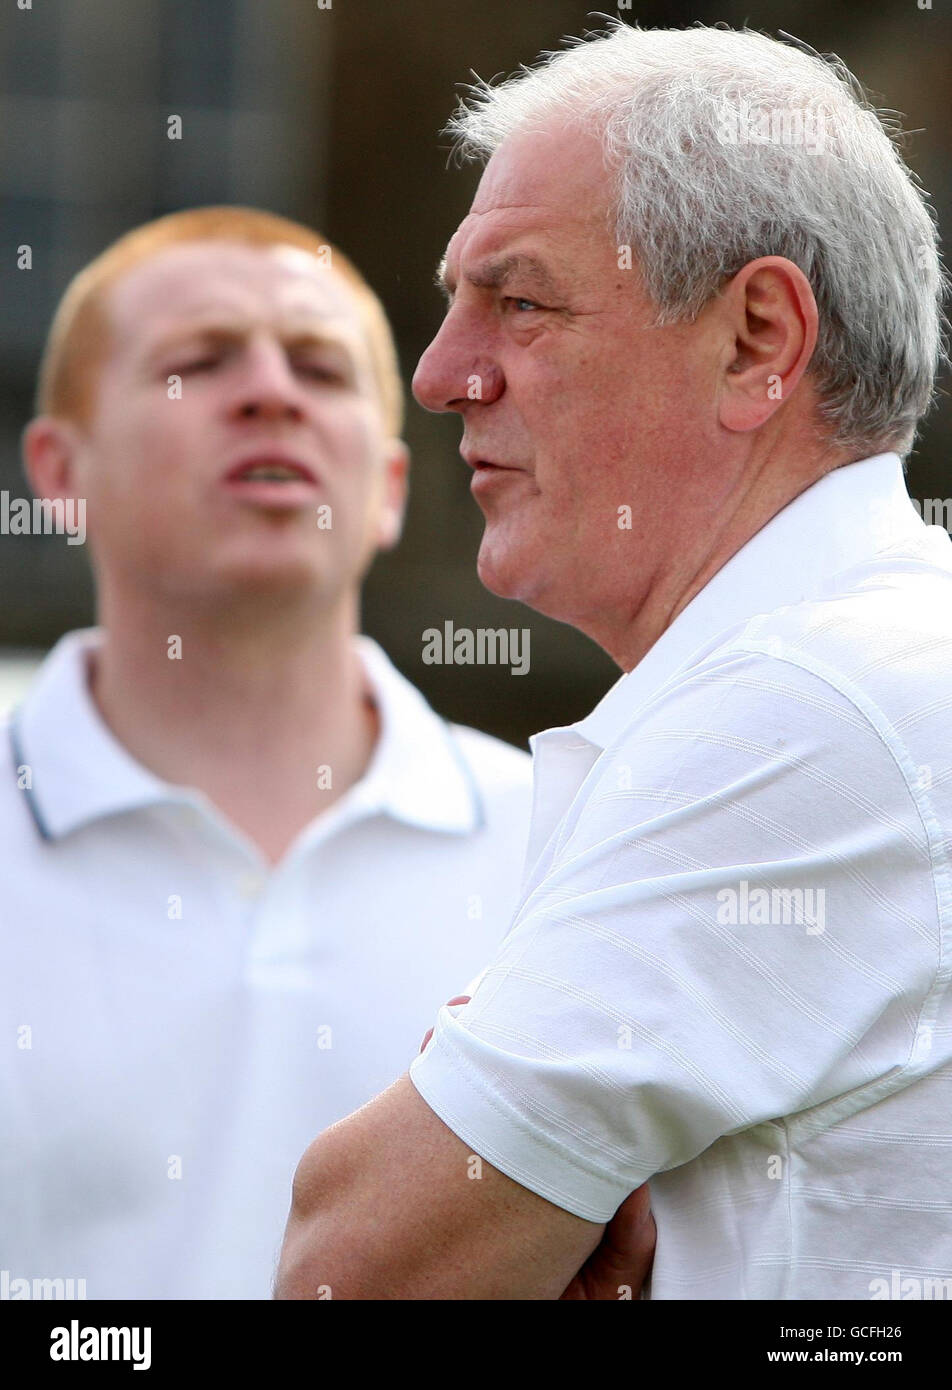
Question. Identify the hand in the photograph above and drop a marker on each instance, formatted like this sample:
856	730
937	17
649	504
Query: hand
459	999
622	1261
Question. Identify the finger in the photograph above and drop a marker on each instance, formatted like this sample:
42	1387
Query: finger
459	999
623	1257
628	1243
627	1227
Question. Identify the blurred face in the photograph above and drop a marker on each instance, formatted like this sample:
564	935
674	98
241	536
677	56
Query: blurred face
572	405
270	470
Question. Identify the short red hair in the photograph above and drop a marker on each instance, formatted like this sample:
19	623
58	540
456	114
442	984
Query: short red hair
78	342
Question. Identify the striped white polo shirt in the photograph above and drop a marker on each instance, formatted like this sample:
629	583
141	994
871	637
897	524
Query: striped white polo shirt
729	971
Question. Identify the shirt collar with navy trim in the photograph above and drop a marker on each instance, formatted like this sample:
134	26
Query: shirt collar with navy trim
80	772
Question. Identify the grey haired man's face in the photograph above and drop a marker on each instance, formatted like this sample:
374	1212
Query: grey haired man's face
584	425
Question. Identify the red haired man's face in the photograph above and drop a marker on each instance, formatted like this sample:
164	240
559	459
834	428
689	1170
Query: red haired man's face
236	438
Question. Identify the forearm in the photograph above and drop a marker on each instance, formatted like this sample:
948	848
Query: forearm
384	1207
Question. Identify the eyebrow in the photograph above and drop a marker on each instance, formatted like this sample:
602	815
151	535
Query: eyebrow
494	274
213	329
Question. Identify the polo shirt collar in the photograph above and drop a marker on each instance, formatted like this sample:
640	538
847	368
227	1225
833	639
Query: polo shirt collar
81	773
846	517
79	770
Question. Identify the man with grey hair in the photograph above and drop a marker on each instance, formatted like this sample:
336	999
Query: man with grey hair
694	320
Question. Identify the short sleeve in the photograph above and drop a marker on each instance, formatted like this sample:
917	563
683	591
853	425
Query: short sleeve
737	923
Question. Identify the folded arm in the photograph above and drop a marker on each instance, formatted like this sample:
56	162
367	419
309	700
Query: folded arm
390	1204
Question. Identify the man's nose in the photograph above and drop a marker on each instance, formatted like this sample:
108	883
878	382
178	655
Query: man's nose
267	387
456	370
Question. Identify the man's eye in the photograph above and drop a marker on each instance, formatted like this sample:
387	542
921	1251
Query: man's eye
320	371
198	364
522	306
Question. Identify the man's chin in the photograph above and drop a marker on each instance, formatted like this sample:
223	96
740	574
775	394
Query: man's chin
497	577
519	577
506	573
274	580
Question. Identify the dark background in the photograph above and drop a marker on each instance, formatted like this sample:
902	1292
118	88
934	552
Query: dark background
332	117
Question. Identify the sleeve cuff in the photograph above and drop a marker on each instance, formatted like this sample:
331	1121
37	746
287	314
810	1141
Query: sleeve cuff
497	1132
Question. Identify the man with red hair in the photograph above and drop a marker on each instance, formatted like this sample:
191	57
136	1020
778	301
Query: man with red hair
243	859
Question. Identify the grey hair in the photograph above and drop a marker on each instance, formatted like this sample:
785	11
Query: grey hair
698	193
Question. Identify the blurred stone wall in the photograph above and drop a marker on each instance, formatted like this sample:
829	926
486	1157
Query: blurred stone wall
332	115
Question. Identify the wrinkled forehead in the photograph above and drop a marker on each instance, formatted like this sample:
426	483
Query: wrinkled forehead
552	182
282	286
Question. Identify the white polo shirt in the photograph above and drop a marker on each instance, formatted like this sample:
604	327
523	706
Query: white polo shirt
729	972
179	1020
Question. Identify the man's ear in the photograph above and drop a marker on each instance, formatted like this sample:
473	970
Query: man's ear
396	469
770	316
49	452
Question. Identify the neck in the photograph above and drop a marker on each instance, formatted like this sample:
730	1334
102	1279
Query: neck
722	530
260	698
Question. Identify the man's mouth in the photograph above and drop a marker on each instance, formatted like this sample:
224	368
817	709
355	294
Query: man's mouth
273	481
270	472
267	469
489	475
480	465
